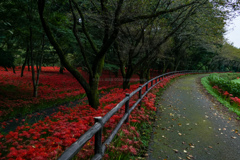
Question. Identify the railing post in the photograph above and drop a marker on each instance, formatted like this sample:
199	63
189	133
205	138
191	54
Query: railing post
140	97
127	107
98	137
155	80
147	87
151	83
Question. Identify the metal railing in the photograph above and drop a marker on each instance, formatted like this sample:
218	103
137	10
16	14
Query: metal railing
97	128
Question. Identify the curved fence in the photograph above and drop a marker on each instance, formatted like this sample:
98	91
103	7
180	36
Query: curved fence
97	128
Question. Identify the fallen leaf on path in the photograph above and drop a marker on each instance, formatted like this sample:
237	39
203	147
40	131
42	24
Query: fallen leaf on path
210	147
175	150
233	137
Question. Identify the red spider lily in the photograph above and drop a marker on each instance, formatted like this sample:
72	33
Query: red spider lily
226	93
52	86
48	138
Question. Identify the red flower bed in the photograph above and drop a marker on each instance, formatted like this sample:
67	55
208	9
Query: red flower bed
228	96
47	139
16	91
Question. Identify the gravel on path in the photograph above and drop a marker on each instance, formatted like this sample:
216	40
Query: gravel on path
189	125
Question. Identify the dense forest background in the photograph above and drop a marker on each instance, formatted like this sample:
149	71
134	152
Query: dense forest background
132	36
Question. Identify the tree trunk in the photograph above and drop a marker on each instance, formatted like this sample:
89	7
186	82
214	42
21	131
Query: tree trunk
38	59
126	84
93	96
147	75
32	66
176	68
142	76
25	61
28	62
13	67
127	78
61	69
165	66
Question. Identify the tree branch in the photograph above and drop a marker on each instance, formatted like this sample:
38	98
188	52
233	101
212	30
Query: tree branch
84	28
154	15
78	40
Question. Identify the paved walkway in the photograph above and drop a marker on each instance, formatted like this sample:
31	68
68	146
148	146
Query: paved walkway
190	126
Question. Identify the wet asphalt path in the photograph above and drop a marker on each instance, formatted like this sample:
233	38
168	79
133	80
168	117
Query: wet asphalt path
190	126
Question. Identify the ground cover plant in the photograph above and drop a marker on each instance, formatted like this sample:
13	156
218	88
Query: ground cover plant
48	138
225	87
226	82
54	88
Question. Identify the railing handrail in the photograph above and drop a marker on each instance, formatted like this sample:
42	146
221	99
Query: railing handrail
97	128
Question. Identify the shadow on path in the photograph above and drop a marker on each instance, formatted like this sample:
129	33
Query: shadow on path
190	126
